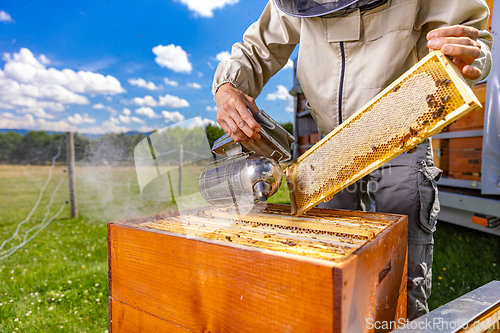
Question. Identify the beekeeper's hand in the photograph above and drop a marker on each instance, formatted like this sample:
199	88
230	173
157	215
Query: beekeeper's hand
459	42
233	114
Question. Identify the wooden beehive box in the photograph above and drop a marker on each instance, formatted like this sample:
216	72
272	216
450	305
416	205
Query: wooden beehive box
209	271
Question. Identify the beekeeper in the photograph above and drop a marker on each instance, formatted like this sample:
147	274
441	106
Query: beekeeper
349	51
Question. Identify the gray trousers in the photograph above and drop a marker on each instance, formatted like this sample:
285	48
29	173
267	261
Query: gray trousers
406	185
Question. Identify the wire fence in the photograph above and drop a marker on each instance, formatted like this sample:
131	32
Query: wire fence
45	221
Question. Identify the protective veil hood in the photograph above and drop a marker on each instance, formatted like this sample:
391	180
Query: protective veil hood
312	8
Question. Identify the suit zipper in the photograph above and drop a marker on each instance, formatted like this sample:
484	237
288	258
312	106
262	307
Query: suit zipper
341	86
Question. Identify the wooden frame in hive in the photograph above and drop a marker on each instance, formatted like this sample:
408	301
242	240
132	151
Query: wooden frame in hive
418	105
166	276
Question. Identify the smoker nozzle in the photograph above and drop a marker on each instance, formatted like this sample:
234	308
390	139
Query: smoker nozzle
262	190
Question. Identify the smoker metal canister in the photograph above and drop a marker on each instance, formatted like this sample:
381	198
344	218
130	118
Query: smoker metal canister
240	179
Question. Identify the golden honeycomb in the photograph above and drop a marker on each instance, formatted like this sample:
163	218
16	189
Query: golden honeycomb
315	235
419	104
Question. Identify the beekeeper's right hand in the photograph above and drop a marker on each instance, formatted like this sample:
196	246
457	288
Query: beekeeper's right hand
234	114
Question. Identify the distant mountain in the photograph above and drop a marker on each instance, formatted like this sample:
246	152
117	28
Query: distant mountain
130	133
22	132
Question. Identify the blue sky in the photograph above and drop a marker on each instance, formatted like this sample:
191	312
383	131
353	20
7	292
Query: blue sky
113	66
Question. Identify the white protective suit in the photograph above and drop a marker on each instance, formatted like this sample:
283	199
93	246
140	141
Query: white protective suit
343	63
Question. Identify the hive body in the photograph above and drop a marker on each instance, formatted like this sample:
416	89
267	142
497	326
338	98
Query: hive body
209	271
423	101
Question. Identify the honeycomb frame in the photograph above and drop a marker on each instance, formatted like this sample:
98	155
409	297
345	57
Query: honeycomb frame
344	156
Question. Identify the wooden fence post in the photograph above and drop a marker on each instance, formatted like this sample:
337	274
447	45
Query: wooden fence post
181	157
70	158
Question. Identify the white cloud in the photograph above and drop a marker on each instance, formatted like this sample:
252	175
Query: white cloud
5	17
172	57
28	103
56	126
167	100
51	96
211	108
124	119
172	117
146	129
146	111
195	122
198	122
99	106
128	120
146	101
126	111
28	86
141	83
43	59
289	64
171	82
78	119
56	93
207	122
37	112
24	67
206	7
10	121
137	120
110	125
194	85
173	101
224	55
281	93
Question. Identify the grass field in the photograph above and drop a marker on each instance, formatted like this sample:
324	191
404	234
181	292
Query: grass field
58	281
464	260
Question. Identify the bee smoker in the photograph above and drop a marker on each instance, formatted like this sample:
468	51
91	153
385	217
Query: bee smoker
246	172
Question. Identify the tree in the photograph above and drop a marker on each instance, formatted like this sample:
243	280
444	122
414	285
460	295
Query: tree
112	148
38	147
9	146
213	133
288	126
81	145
